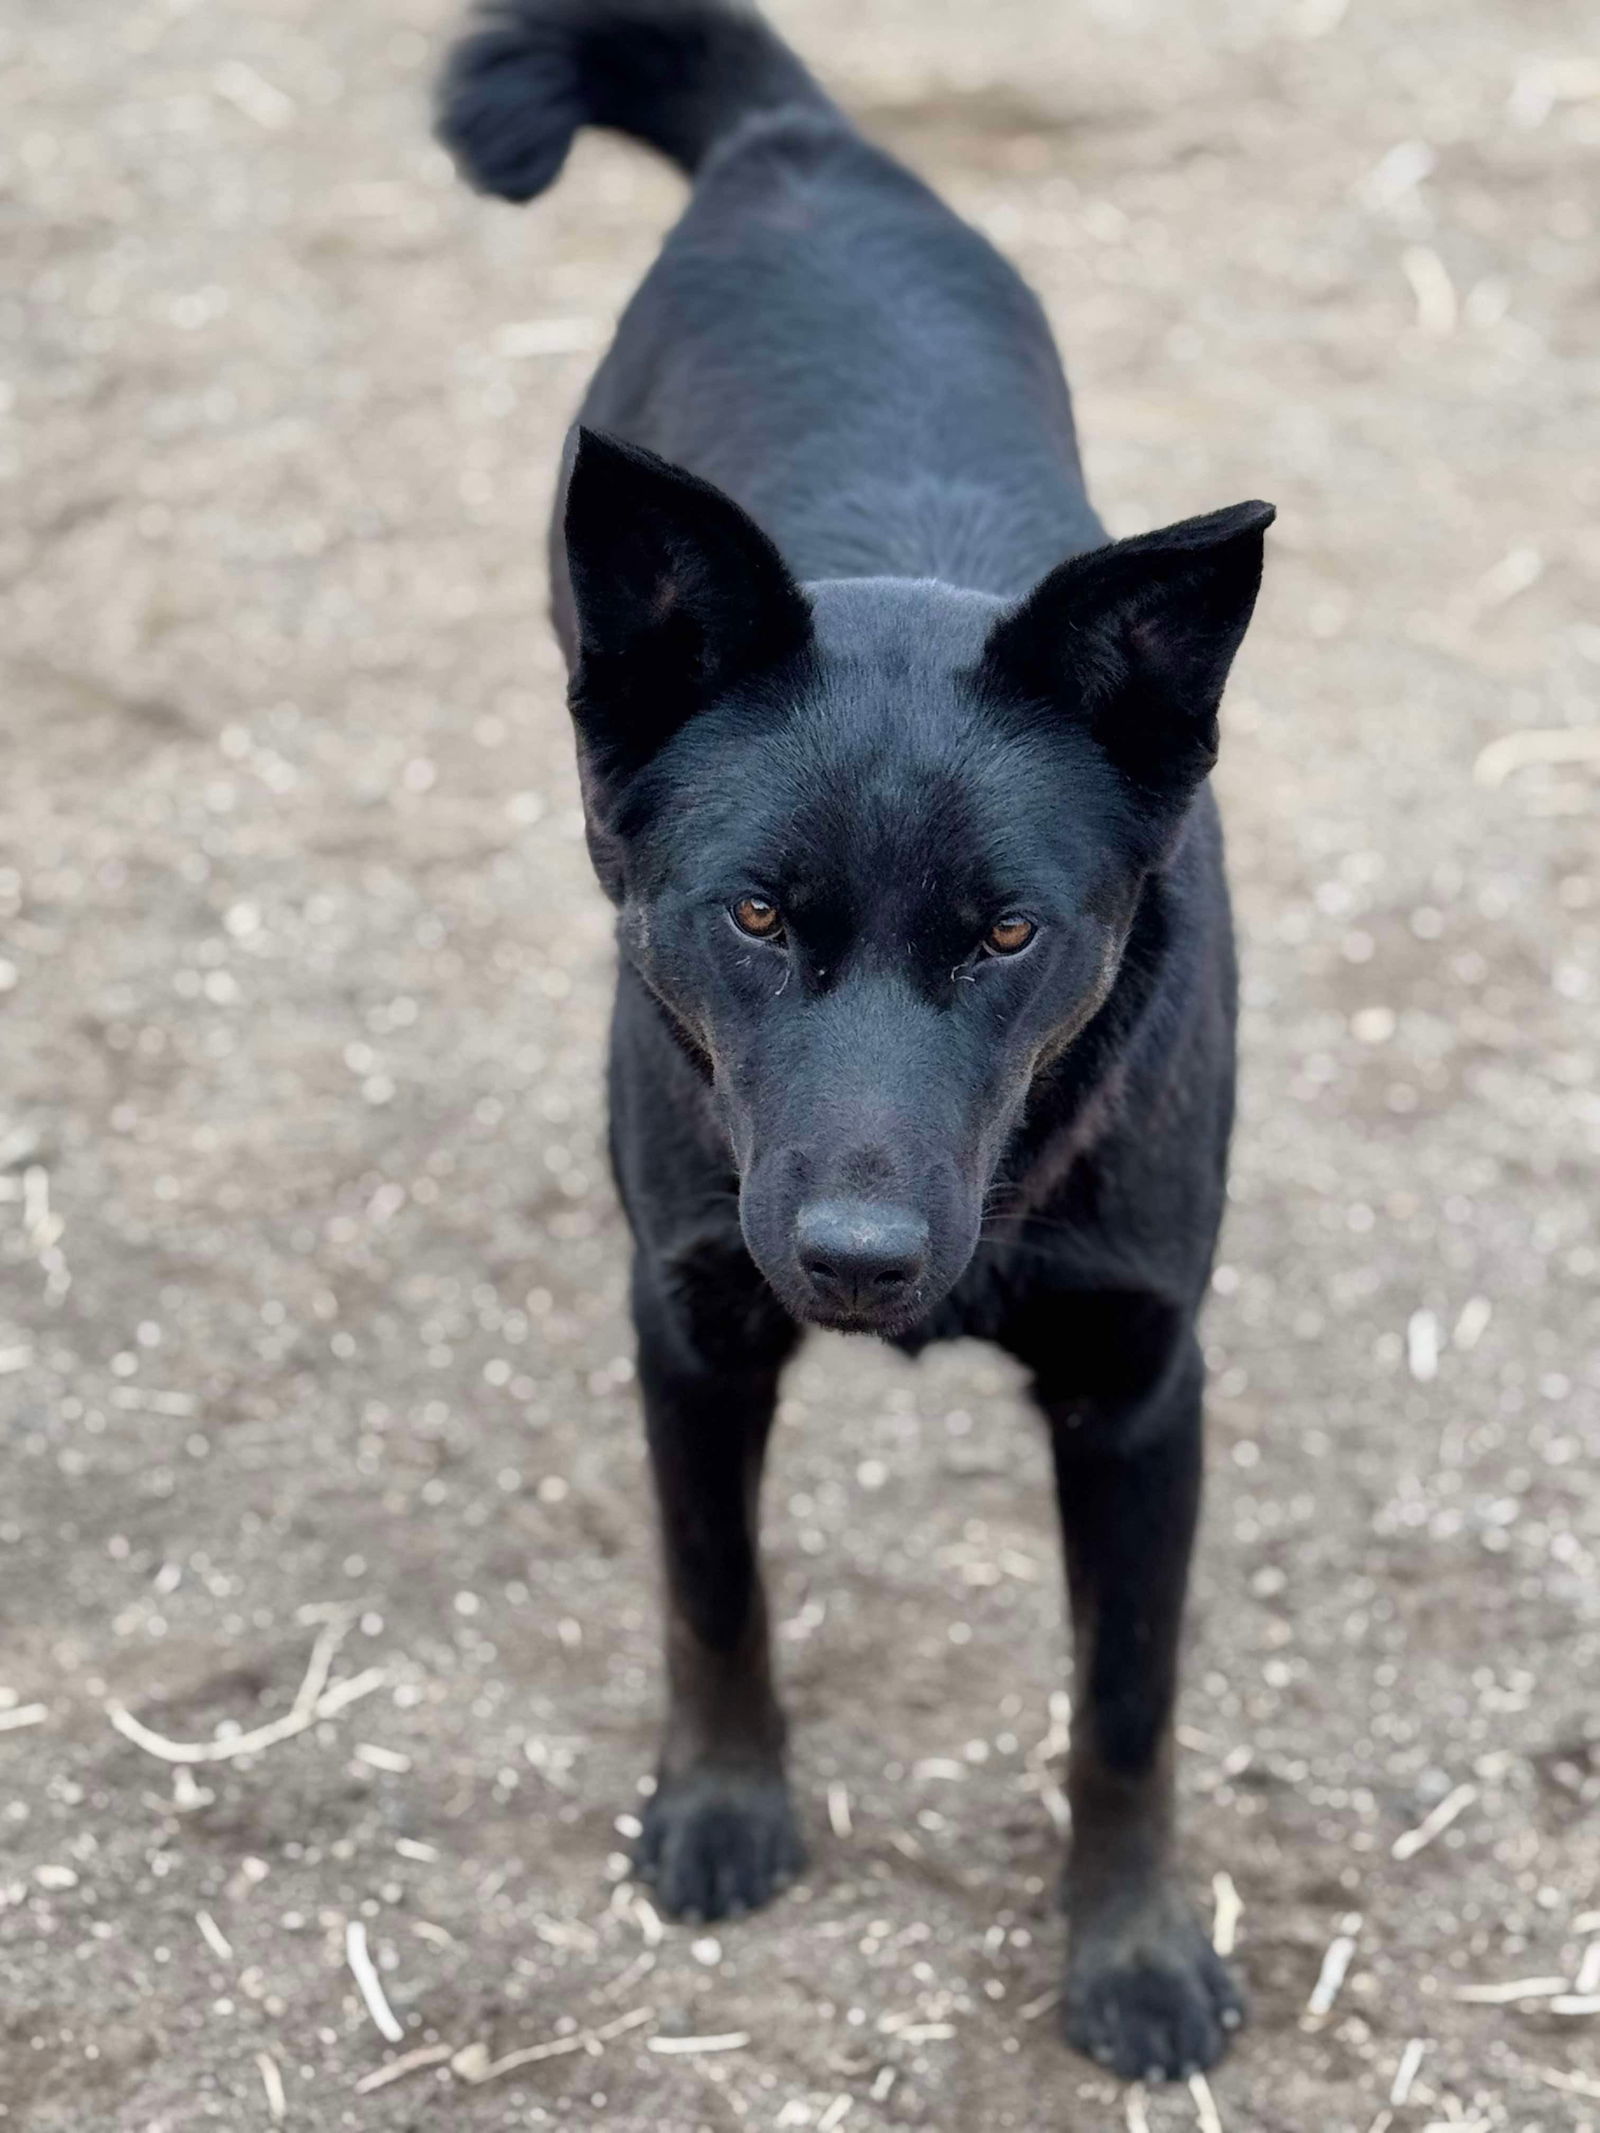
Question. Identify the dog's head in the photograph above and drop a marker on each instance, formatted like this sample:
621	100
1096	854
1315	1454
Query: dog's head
877	845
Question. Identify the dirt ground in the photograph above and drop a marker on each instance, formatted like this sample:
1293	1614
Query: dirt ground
311	1310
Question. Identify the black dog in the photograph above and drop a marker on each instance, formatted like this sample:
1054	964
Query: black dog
924	1025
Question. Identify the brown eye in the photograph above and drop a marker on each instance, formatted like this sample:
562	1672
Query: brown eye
1009	935
755	916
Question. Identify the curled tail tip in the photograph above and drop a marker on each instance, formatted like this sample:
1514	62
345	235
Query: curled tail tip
677	74
510	99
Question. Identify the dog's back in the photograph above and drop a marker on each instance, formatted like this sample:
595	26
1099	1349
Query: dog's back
820	336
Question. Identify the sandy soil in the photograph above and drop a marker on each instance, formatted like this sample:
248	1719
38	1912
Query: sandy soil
311	1273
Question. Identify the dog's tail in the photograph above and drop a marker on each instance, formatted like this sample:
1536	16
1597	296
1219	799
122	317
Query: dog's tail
675	73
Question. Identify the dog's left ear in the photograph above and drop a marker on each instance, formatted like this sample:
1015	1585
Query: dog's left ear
677	597
1136	639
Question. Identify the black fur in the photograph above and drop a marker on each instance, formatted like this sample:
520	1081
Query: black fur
670	72
857	680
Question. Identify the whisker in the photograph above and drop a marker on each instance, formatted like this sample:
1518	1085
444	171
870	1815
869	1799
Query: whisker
1019	1246
1024	1220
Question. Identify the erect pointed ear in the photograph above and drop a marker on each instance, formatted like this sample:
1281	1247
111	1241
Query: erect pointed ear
1136	640
677	596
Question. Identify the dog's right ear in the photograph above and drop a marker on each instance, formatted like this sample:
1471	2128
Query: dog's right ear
677	597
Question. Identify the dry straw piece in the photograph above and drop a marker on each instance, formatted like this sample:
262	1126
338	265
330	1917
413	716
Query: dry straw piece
413	2063
272	2082
1335	1964
732	2040
315	1699
1206	2115
473	2064
1511	1992
1434	1824
1229	1910
368	1983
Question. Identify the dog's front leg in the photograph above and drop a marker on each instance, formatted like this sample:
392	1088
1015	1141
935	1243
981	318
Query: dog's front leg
1145	1993
719	1832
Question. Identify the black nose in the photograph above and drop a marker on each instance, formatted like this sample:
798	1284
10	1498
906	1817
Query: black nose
857	1254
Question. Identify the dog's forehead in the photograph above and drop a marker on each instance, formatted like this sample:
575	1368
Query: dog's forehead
892	725
886	779
913	625
894	784
894	754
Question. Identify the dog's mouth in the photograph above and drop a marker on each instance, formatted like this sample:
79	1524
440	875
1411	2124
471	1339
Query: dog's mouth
884	1315
886	1322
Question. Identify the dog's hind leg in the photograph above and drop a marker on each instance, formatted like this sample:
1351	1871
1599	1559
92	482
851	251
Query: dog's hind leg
719	1832
1145	1994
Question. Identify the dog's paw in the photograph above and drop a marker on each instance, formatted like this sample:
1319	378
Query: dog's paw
1147	1995
715	1845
